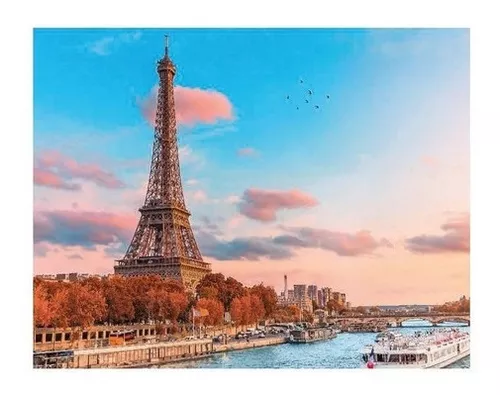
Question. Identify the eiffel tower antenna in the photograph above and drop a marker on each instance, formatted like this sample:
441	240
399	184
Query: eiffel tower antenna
163	242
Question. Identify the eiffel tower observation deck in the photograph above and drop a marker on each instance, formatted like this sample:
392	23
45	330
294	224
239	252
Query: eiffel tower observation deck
163	242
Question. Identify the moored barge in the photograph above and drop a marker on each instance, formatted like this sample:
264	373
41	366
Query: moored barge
311	335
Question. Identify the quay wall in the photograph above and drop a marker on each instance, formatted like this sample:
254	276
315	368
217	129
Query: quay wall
51	339
142	355
242	345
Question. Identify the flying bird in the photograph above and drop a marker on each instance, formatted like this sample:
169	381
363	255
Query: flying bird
288	97
310	92
301	81
307	101
297	107
327	96
316	106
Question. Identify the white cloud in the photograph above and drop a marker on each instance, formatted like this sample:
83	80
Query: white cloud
232	199
200	196
187	156
105	45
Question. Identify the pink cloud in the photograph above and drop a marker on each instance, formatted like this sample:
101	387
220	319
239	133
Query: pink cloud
263	205
49	179
430	161
247	152
192	105
342	243
83	228
456	239
53	169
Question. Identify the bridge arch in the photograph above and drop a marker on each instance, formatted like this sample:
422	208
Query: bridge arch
452	320
412	322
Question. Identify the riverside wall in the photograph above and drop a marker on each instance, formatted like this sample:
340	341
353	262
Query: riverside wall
136	355
253	343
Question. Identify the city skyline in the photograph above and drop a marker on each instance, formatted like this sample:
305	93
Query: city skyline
372	188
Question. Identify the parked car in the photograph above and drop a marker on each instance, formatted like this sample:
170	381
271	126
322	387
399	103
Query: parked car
261	335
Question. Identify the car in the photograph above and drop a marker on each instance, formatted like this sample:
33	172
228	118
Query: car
261	335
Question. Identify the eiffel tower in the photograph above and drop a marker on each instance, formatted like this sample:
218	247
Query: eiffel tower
163	242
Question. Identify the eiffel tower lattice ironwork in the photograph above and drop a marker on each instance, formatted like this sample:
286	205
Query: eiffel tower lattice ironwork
163	242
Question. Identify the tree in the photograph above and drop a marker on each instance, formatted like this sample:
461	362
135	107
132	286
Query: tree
236	311
119	301
360	309
268	297
375	310
164	305
308	316
333	306
257	309
209	292
77	306
233	289
42	310
215	311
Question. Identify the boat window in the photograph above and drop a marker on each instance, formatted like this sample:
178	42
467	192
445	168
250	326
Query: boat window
38	338
85	335
48	337
58	337
67	336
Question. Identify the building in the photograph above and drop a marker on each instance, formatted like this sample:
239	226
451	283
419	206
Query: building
286	287
163	243
320	298
66	277
290	295
327	295
343	299
312	293
299	291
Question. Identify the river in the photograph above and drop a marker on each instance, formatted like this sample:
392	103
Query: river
343	352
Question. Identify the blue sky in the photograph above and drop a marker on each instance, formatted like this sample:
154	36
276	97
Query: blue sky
396	96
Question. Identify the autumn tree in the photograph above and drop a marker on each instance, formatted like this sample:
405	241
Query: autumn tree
226	290
268	297
119	301
236	311
164	305
334	306
360	310
233	289
42	309
307	316
78	306
215	311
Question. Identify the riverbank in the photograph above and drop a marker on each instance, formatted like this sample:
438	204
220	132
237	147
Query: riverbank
134	355
252	343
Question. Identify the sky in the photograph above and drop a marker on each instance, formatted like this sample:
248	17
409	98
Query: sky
368	193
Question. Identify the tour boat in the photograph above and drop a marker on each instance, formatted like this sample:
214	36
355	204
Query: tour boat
429	349
311	335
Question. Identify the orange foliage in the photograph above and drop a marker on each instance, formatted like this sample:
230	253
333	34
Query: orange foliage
215	311
42	311
77	305
119	300
247	310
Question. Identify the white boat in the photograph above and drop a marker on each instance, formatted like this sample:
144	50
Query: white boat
429	349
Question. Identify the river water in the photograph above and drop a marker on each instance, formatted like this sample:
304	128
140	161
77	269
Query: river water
342	352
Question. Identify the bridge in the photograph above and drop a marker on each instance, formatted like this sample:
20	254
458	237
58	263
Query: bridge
387	318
